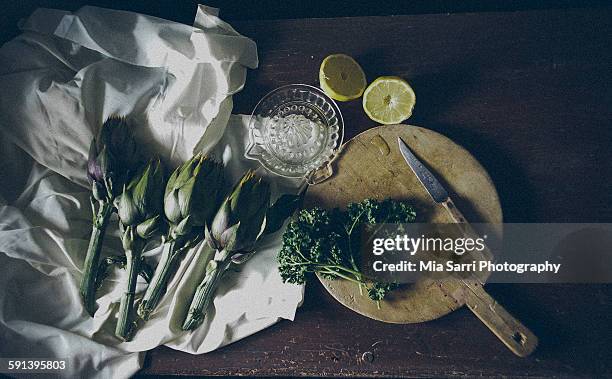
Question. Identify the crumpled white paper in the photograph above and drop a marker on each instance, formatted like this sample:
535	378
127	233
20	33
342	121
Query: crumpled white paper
59	81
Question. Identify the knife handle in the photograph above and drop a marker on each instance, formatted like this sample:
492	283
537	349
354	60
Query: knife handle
464	226
520	340
454	213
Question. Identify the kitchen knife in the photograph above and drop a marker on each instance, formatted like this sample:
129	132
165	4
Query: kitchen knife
509	330
434	188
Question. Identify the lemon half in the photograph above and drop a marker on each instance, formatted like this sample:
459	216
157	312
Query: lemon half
341	77
389	100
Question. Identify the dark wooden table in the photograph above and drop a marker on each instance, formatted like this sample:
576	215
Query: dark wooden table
530	95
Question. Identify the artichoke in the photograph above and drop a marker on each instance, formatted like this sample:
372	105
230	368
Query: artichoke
112	155
240	220
139	208
189	193
239	223
190	200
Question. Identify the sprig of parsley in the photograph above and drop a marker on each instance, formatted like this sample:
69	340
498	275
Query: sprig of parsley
323	241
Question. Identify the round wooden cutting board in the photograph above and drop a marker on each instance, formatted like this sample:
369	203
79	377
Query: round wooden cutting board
371	166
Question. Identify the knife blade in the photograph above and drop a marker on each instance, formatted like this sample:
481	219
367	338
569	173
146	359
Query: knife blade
435	189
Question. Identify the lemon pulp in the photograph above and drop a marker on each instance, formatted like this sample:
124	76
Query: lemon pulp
389	100
341	77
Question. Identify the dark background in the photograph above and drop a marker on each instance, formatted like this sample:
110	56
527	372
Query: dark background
528	93
232	10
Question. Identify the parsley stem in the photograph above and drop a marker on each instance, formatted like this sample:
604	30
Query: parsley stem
336	273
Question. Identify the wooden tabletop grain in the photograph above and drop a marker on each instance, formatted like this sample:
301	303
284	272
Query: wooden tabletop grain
529	94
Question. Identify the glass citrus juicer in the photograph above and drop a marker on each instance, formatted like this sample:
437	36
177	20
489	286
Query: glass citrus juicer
296	131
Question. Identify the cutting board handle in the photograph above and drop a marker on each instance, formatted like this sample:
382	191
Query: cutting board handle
520	340
509	330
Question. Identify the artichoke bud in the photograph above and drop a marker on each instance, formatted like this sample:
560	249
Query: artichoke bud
185	195
191	191
141	198
139	192
236	199
127	237
116	135
187	170
207	198
245	209
229	237
176	201
126	209
105	162
209	239
148	190
98	191
258	217
221	221
154	199
171	207
256	203
208	177
114	141
246	235
94	170
148	228
170	187
183	228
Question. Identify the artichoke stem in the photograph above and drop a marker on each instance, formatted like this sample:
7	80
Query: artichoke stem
159	282
92	259
202	298
125	322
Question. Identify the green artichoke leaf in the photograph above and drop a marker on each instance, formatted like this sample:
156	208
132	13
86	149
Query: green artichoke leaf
185	171
98	191
127	238
229	237
126	209
185	197
170	186
282	209
183	228
241	257
221	221
205	196
148	228
171	206
256	222
140	189
209	239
